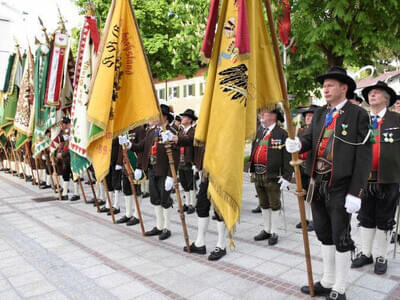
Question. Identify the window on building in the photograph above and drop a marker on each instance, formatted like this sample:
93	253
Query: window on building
201	88
191	90
161	94
173	92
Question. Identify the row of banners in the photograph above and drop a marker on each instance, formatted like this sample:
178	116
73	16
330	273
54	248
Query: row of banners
109	90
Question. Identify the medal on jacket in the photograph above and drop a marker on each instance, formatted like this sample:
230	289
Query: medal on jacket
344	127
388	137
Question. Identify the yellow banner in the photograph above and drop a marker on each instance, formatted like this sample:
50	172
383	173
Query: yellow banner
122	93
236	87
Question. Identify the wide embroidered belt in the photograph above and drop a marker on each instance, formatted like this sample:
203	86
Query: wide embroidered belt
260	169
322	166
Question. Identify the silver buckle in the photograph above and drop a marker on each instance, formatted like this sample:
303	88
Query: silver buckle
380	260
334	295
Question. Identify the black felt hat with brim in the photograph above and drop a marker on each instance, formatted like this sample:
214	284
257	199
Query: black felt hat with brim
166	111
381	86
338	74
190	114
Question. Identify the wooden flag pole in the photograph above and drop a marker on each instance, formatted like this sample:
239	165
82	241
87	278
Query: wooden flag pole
295	156
178	194
20	164
7	157
46	155
53	163
93	191
83	192
109	200
129	172
28	153
37	172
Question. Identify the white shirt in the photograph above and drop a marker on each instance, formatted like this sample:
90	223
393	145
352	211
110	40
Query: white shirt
380	114
340	105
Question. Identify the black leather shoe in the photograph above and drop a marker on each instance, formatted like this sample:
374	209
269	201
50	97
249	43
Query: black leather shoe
298	226
257	210
7	171
273	240
91	201
65	198
310	226
333	295
164	235
115	211
122	220
361	260
132	221
28	178
104	209
45	187
153	232
190	210
145	195
263	235
319	290
75	197
21	175
100	202
217	254
380	265
195	249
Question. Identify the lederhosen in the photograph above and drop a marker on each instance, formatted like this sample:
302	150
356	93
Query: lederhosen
379	203
113	177
331	221
185	167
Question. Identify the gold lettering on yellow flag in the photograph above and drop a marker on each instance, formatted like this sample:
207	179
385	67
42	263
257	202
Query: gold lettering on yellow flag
236	87
122	95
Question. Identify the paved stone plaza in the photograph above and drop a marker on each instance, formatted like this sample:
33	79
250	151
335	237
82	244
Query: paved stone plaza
66	250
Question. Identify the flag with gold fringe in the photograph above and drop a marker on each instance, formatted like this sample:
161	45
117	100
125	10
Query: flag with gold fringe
24	116
122	95
10	93
242	77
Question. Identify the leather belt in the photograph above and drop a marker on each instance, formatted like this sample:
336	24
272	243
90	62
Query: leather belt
322	166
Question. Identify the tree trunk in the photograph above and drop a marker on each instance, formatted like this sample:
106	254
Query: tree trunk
334	60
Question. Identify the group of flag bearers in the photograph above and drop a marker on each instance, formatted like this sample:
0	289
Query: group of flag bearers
55	123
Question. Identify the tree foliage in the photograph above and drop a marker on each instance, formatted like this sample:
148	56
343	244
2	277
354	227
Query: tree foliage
171	30
340	32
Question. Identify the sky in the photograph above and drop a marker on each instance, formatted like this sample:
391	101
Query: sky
25	26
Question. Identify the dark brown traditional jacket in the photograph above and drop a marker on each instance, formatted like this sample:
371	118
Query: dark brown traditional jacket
161	168
186	141
277	157
351	163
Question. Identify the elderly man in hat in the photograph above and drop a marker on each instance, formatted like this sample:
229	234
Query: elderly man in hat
305	177
379	202
154	162
185	140
339	163
271	171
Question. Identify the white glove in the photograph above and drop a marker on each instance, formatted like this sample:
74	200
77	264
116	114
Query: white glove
43	157
169	183
123	140
293	145
13	138
118	167
138	174
66	137
166	136
284	183
194	168
353	204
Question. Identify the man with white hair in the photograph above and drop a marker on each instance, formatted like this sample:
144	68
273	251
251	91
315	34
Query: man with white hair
379	202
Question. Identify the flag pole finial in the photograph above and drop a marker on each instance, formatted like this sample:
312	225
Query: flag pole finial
61	21
44	31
